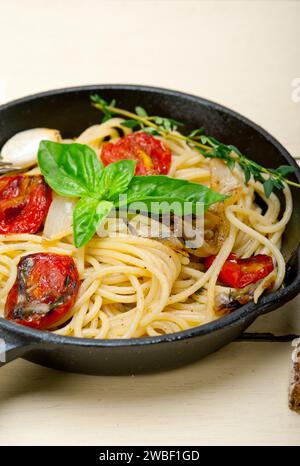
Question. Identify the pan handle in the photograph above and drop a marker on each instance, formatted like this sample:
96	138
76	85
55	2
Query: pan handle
12	347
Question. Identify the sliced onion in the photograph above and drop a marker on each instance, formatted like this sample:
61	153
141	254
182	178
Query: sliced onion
94	135
59	218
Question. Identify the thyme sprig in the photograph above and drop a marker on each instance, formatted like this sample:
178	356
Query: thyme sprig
207	145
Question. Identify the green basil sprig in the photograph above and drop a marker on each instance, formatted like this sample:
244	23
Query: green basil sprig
74	170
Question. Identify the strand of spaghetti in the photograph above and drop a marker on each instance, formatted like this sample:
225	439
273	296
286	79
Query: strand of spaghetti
148	259
12	275
94	323
195	287
219	260
109	253
32	248
139	307
263	228
193	174
78	318
85	293
93	310
123	290
263	285
104	325
275	239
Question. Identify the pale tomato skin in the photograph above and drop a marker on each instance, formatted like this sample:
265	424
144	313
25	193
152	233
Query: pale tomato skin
24	203
44	292
153	156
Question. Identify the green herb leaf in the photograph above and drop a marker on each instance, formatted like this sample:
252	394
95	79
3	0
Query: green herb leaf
268	187
278	183
158	120
196	132
169	124
230	163
103	104
210	140
285	170
96	99
247	173
152	190
151	131
87	216
140	111
116	178
220	151
130	123
70	169
235	149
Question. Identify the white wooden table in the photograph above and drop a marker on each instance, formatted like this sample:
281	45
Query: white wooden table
242	54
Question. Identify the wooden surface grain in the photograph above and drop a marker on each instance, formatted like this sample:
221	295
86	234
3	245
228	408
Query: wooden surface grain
242	54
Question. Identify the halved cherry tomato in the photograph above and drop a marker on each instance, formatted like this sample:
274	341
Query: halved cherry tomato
24	203
44	292
238	273
152	156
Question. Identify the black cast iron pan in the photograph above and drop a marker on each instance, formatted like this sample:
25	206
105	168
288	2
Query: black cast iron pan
69	110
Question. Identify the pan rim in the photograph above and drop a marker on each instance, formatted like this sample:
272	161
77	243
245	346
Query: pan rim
274	300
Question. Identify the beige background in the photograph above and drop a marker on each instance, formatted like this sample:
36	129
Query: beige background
242	54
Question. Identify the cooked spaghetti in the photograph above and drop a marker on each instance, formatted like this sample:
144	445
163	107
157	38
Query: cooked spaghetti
133	286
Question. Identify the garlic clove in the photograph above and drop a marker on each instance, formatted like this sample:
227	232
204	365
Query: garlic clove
22	148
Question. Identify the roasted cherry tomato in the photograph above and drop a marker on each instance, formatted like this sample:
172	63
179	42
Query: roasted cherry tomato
238	273
152	156
44	291
24	203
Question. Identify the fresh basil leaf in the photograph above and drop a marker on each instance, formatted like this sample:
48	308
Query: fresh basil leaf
116	178
70	169
152	190
87	215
